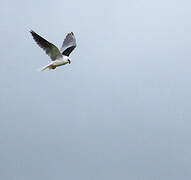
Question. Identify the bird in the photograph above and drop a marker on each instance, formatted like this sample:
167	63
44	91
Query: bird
58	57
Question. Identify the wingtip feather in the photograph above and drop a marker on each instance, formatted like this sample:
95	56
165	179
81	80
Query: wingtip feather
32	32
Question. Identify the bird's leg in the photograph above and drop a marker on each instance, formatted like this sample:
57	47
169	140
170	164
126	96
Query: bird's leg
53	67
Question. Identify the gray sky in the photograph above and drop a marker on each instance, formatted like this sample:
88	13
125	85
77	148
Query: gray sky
120	110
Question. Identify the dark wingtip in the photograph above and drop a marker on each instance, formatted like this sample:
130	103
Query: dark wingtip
32	32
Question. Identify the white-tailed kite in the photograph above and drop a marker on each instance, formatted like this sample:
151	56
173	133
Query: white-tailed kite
58	57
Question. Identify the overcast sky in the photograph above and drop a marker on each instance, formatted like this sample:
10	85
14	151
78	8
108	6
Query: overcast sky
120	110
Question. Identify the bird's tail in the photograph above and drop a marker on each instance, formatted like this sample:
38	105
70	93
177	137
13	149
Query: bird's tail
49	66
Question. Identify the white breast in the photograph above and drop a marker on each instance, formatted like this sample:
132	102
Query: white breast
60	62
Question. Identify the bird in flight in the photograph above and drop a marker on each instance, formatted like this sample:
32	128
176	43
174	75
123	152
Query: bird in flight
58	57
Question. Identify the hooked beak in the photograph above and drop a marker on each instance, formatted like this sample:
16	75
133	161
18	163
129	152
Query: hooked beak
69	61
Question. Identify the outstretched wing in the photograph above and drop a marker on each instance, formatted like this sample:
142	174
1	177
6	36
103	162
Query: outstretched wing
69	44
48	47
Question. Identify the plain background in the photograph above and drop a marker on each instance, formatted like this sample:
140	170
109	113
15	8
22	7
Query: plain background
120	110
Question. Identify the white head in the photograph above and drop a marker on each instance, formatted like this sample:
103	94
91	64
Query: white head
69	60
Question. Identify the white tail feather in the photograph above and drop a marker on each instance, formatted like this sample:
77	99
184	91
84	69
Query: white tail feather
46	67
